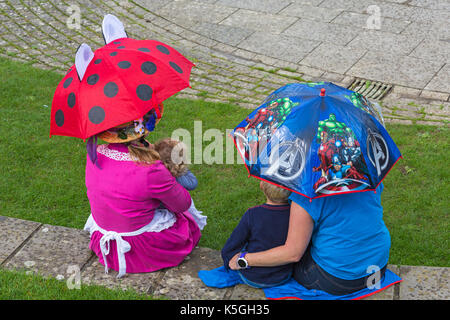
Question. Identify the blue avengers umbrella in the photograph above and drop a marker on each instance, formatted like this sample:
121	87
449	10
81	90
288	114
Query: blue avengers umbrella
317	139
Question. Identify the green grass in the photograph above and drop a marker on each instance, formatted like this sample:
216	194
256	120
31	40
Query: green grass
42	178
23	286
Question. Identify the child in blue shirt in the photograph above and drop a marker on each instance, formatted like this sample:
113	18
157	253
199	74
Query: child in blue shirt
261	228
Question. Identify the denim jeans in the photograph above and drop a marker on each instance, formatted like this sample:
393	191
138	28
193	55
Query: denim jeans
310	275
260	285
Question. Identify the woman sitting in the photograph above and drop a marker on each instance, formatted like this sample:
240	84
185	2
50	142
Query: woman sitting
126	183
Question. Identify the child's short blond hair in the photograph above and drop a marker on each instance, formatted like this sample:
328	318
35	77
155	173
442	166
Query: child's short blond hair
274	193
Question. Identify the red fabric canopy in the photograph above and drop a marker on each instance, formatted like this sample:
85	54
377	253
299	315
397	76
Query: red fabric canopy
125	79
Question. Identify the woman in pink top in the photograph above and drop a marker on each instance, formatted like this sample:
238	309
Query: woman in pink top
126	183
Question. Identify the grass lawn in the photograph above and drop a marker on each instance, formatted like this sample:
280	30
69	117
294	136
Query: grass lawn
22	286
42	179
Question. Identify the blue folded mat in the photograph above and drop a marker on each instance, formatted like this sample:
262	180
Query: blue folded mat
222	278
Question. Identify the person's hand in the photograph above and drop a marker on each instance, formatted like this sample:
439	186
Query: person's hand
233	262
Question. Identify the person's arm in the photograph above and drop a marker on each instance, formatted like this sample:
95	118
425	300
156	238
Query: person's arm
188	181
237	240
299	235
164	187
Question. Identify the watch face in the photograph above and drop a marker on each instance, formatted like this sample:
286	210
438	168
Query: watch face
242	263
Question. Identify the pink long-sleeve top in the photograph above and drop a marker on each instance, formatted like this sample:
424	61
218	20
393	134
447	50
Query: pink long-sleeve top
124	195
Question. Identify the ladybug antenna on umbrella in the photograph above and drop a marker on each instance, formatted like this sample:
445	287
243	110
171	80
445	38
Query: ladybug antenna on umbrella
83	57
112	29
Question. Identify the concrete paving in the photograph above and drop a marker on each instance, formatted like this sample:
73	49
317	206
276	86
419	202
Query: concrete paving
63	253
245	49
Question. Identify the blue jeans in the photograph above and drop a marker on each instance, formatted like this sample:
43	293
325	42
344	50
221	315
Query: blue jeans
310	275
261	285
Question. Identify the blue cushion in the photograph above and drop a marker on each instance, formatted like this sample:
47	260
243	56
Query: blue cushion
222	278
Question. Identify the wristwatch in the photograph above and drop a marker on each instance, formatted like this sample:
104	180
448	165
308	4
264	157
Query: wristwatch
242	262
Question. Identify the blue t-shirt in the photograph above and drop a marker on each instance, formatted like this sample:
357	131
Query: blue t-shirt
349	234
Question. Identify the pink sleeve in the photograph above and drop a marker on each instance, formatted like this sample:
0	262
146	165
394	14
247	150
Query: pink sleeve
164	187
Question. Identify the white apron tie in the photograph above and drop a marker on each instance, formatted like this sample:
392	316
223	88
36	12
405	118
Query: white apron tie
162	220
122	248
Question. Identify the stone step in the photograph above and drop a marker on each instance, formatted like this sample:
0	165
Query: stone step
60	252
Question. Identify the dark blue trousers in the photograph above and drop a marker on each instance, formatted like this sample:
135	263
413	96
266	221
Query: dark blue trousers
310	275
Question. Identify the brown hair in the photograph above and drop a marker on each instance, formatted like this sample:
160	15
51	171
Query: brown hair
274	193
165	149
143	155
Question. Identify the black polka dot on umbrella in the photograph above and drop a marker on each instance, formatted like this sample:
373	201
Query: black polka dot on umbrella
144	49
112	54
71	99
96	115
162	49
116	42
176	67
148	67
121	47
67	82
59	118
124	64
111	89
144	92
92	79
97	61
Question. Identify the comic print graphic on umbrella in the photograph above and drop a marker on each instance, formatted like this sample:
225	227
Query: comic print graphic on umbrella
316	139
117	83
262	124
342	166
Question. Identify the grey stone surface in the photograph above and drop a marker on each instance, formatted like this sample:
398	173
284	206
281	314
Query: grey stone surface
424	15
386	9
424	283
431	4
191	12
360	20
153	4
94	273
441	81
334	58
322	31
279	46
374	40
223	33
52	250
311	12
431	49
429	30
244	292
404	70
13	232
182	282
259	21
268	6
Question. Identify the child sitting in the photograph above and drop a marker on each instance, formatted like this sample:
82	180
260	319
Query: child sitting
261	228
172	154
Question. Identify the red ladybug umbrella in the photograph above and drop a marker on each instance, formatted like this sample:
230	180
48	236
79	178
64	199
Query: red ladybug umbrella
118	83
